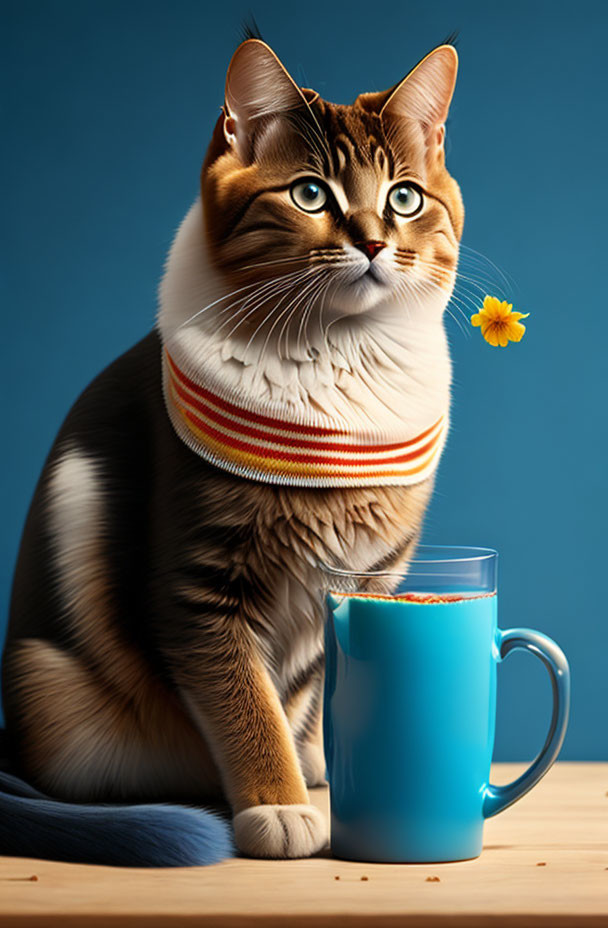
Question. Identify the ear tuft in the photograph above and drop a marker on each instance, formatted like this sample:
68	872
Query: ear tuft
251	30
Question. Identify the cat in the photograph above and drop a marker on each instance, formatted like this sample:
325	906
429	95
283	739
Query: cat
163	667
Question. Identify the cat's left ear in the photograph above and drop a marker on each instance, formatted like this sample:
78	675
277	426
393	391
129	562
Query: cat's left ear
423	96
257	85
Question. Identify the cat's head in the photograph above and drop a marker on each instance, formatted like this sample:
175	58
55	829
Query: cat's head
348	208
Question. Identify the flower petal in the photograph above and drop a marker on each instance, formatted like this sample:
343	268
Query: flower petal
476	319
497	309
491	305
491	335
516	331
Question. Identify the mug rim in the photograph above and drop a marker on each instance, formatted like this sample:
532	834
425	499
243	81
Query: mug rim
473	553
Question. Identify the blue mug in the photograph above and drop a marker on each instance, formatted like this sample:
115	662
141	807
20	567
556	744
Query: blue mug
410	706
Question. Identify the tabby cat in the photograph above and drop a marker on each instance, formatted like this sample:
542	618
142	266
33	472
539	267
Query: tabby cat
163	668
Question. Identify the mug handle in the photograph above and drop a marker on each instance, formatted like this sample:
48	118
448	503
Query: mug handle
498	798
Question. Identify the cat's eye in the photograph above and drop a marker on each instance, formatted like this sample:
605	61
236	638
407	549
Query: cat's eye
405	200
309	195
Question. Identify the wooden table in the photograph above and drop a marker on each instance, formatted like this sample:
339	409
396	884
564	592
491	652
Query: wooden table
545	863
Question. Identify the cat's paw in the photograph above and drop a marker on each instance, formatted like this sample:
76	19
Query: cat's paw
312	762
280	831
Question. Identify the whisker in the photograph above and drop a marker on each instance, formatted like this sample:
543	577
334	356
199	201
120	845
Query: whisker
297	301
510	284
424	262
465	330
264	290
457	274
284	333
261	324
286	325
461	283
474	292
313	253
288	260
260	299
270	314
307	313
463	308
227	296
269	284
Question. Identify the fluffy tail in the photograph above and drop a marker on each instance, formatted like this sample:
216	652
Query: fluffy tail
155	835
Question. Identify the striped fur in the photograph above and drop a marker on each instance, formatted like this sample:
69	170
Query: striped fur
166	619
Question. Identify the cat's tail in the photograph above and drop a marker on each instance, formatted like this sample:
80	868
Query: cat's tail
151	835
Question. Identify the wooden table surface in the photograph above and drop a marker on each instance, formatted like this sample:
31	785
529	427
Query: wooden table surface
545	863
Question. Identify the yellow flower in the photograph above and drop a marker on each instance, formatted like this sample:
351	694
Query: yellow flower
499	324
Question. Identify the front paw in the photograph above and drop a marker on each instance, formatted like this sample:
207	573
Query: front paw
280	831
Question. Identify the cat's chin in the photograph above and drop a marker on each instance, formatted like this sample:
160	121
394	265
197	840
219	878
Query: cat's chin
359	296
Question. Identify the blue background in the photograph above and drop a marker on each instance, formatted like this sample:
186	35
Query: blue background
109	110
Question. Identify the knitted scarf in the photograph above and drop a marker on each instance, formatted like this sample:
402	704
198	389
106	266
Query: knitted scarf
290	448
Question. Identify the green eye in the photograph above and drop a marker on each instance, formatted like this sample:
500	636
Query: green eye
405	200
309	196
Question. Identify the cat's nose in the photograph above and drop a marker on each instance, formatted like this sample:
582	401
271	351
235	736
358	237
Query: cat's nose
370	249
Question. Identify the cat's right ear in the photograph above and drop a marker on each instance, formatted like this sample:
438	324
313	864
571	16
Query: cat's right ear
423	96
257	85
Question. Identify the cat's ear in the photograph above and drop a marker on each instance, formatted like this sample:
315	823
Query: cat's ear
257	85
423	96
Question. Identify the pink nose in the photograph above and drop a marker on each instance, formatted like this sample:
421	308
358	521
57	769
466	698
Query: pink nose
370	249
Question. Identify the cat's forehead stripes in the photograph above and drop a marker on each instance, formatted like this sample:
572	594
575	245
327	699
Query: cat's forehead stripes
355	138
331	139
